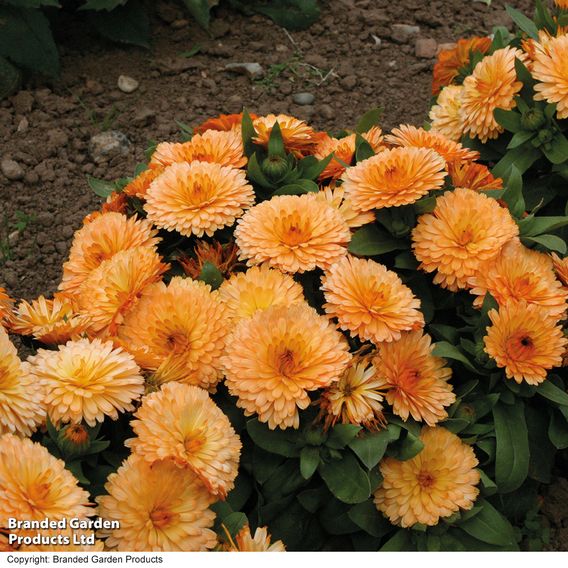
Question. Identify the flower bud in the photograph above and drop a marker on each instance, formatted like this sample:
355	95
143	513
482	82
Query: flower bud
533	119
74	440
274	167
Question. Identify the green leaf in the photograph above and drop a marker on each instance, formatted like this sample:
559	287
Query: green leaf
371	447
9	78
76	469
398	543
309	461
126	24
368	120
255	174
523	157
550	242
341	435
275	142
557	150
248	133
489	486
26	40
513	194
449	351
410	447
107	5
520	138
535	226
366	516
281	442
200	9
300	187
294	15
346	479
239	495
549	390
491	527
313	499
558	430
369	240
234	522
512	455
425	205
211	275
509	119
100	187
311	168
194	50
363	149
524	23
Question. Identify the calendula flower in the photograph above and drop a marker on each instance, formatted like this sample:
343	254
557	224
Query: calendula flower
160	507
178	332
257	289
455	242
220	147
394	177
260	542
561	268
181	423
100	240
222	122
436	483
277	356
356	398
21	397
451	61
519	273
87	380
524	340
473	176
49	321
409	136
6	304
550	68
445	115
294	233
335	196
198	198
415	380
35	485
223	257
492	85
370	301
140	184
562	4
299	138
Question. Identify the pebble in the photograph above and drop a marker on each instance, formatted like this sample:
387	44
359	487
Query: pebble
303	98
349	82
425	48
11	278
179	24
327	111
377	40
107	145
127	84
22	125
11	169
61	247
13	238
401	33
143	116
253	70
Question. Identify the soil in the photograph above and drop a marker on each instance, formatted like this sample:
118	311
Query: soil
351	60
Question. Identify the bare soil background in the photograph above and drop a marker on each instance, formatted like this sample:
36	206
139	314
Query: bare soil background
351	60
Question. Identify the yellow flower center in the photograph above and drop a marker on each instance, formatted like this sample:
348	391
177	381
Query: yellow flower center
37	494
193	443
286	363
465	237
293	235
425	479
162	517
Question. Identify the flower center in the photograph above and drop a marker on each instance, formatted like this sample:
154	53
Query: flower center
193	443
465	237
425	479
37	494
520	346
286	363
162	517
177	341
293	235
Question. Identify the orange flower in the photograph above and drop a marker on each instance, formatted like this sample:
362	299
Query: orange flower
335	196
465	229
436	483
223	257
519	273
473	176
410	136
356	398
257	289
140	184
222	122
198	198
370	301
6	304
99	240
550	68
49	321
492	85
561	268
277	356
445	114
181	423
177	332
113	288
524	340
245	542
562	4
394	177
220	147
450	61
416	381
299	138
295	233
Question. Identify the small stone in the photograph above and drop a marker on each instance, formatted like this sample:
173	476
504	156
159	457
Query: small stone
127	84
445	47
377	40
401	33
11	169
327	111
13	238
253	70
94	87
22	125
143	115
107	145
179	24
61	247
303	98
349	82
425	48
392	63
67	231
23	102
57	138
44	219
10	278
286	88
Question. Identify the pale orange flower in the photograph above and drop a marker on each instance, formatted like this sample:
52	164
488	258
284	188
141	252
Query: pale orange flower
561	268
436	483
370	301
519	273
277	356
445	115
99	240
473	176
6	304
295	233
198	198
140	184
178	332
416	382
223	257
181	423
492	85
394	177
524	340
450	61
335	196
299	138
465	229
260	542
222	122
